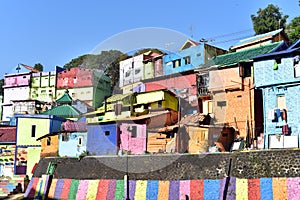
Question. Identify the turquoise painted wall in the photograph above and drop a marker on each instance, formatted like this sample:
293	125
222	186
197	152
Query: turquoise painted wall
196	53
70	147
275	83
265	75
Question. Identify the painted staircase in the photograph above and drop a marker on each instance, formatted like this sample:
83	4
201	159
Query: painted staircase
8	184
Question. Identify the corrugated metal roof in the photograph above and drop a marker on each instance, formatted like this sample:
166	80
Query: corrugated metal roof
258	37
8	134
117	97
244	55
65	111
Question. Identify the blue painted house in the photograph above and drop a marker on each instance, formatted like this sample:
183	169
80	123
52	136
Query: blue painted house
103	139
72	140
278	76
191	55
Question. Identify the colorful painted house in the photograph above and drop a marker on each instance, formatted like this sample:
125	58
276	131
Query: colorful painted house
277	76
29	129
70	141
123	126
7	150
139	67
64	108
43	85
16	87
114	107
191	55
89	86
182	84
235	102
153	66
103	139
73	138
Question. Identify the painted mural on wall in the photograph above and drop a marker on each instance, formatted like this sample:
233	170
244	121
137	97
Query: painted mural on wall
236	188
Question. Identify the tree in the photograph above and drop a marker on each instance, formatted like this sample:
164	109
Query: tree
268	19
1	86
39	67
293	29
107	61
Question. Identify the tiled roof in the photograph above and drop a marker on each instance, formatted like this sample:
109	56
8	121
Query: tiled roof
8	134
30	68
244	55
65	99
65	111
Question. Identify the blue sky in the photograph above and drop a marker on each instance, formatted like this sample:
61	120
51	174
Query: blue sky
52	32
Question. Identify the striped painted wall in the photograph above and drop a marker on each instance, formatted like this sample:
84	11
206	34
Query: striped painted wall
252	189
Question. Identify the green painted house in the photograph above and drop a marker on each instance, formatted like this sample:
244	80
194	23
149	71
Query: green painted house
43	85
64	108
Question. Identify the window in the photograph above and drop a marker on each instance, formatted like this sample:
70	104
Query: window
136	71
198	54
159	104
221	103
296	67
176	63
79	141
48	141
133	131
187	60
107	133
65	137
245	69
33	129
127	74
281	101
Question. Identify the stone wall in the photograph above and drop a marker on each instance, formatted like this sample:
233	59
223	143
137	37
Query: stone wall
272	174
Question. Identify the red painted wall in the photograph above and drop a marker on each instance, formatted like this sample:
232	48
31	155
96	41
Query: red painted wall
75	77
184	86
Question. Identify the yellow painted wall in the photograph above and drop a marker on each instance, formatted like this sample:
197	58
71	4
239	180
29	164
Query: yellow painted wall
25	127
32	158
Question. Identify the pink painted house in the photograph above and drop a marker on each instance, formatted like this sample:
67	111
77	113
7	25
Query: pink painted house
16	87
133	138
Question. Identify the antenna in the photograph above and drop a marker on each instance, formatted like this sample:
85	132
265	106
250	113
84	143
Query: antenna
192	29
